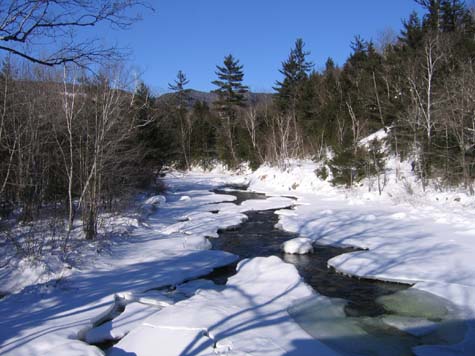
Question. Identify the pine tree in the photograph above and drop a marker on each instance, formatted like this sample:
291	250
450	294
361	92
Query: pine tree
230	90
203	140
431	20
231	96
295	71
147	132
179	84
412	33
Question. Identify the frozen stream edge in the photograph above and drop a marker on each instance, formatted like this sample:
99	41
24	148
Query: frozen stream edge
27	319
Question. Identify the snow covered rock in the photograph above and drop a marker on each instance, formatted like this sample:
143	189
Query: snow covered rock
117	328
299	245
149	206
156	200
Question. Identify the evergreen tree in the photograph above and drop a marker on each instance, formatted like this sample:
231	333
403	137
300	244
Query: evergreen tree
203	140
431	21
147	133
231	91
179	84
231	96
412	33
295	71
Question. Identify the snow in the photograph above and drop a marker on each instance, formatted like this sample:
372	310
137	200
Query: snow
424	238
379	135
151	204
120	326
248	317
299	245
50	317
191	288
405	235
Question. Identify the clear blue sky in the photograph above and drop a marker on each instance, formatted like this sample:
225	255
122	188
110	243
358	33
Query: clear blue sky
195	35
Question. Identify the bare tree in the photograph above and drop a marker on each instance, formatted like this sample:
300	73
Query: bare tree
425	101
53	26
459	116
251	122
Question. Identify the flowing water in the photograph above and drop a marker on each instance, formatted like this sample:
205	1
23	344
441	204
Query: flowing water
351	315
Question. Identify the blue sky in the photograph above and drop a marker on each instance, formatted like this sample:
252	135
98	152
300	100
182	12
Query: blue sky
195	35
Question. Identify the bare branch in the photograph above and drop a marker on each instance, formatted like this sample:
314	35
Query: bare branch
25	22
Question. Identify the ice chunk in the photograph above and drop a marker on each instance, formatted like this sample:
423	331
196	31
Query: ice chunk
325	319
299	245
411	325
435	320
415	303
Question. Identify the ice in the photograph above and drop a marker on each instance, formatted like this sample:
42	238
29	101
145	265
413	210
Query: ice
325	320
416	303
299	245
412	325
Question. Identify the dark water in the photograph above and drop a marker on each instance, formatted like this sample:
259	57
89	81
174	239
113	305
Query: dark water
241	195
258	237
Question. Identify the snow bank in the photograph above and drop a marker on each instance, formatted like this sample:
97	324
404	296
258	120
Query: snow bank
20	273
299	245
51	318
409	235
298	177
248	317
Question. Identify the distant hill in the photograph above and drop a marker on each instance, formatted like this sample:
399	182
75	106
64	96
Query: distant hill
194	95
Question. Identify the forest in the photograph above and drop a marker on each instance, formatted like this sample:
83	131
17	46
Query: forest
75	143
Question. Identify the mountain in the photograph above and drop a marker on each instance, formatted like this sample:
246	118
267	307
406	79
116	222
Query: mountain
209	98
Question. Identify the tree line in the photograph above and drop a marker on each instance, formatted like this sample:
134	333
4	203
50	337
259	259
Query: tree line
418	86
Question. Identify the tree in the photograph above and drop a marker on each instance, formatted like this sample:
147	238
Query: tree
454	16
412	33
144	113
231	97
295	70
432	17
184	119
56	25
205	129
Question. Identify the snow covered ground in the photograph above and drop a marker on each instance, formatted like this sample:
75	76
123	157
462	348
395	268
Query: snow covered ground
48	318
409	236
423	238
